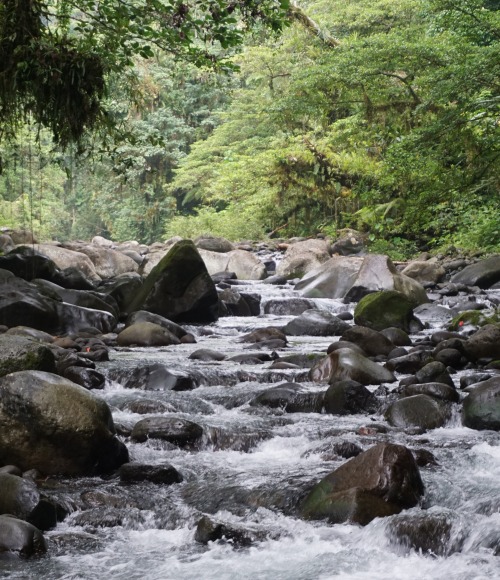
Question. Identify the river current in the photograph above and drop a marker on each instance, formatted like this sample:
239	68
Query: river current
251	469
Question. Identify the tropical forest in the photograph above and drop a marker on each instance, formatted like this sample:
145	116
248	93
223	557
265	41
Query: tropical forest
261	119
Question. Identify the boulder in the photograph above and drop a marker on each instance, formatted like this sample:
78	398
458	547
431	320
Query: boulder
66	258
179	288
288	306
380	481
175	430
350	242
385	309
108	263
213	244
484	273
164	474
425	272
18	353
246	265
150	377
146	334
21	538
55	426
264	334
122	289
23	304
333	279
144	316
85	377
316	323
434	372
27	263
481	408
484	343
18	497
302	257
372	342
346	364
418	411
349	397
440	391
290	397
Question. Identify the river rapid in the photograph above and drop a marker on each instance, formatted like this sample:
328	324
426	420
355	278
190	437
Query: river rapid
250	471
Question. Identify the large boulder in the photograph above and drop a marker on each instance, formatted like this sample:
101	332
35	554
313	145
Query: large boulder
246	265
175	430
122	289
27	263
484	343
108	263
179	287
351	278
425	271
385	309
373	343
20	538
18	353
481	408
380	481
53	425
484	273
290	397
316	323
144	316
18	497
418	411
349	397
302	257
346	364
66	258
23	304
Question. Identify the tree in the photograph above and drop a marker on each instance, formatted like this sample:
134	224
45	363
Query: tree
56	56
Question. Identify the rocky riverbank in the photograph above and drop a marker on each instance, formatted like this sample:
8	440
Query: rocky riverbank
302	331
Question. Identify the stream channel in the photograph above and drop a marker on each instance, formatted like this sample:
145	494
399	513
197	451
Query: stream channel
250	471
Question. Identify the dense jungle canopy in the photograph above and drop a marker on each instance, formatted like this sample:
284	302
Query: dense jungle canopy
142	119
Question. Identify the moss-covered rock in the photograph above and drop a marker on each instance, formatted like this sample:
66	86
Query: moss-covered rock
18	353
179	287
385	309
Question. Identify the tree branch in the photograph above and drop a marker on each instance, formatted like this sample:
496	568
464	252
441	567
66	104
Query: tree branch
296	13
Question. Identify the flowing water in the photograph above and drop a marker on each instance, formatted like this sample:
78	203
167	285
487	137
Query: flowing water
250	471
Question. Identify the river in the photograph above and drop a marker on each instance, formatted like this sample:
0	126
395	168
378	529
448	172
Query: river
252	467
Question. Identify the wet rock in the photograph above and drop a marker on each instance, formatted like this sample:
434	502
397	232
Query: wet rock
315	323
291	397
349	244
450	357
397	336
484	273
418	411
164	474
434	372
264	335
467	380
423	457
206	355
147	406
386	309
28	264
122	289
18	354
181	432
287	307
481	408
378	482
372	342
484	344
86	378
55	426
440	391
179	287
234	304
151	377
344	344
409	363
209	530
33	333
18	496
349	397
144	316
146	334
425	532
346	364
21	538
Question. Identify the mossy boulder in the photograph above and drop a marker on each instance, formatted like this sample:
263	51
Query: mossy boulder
179	287
388	308
18	353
